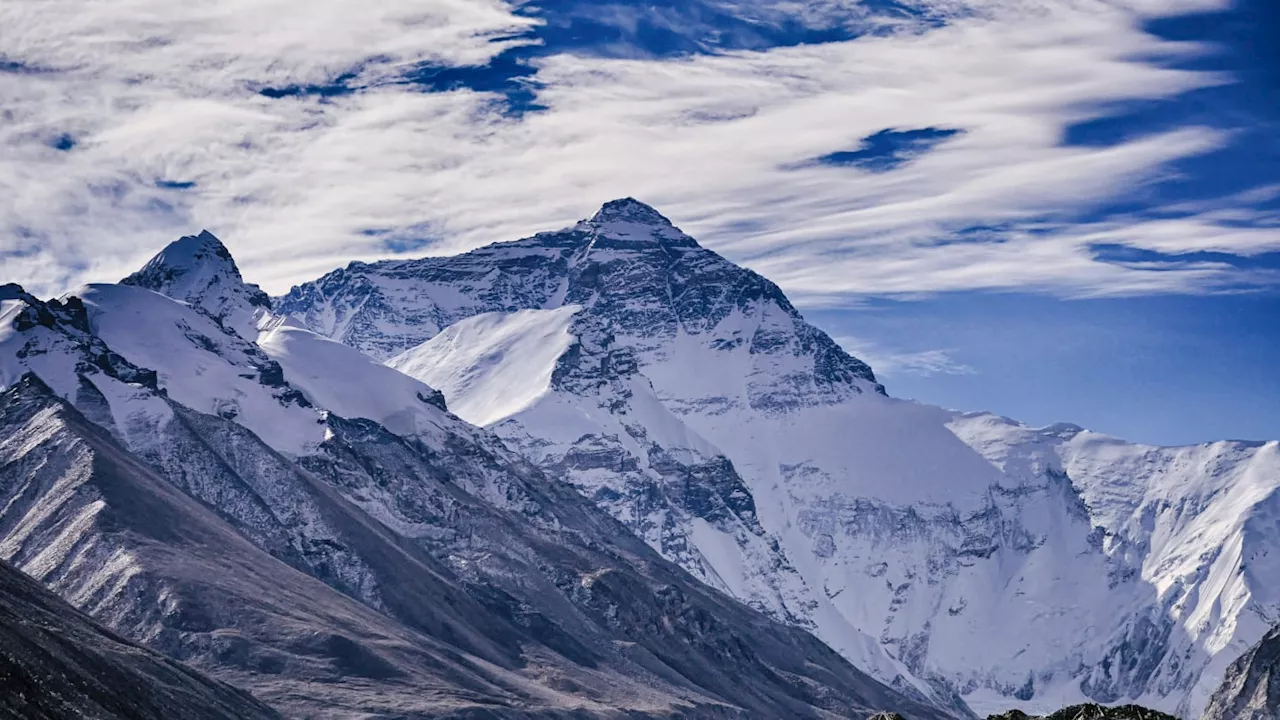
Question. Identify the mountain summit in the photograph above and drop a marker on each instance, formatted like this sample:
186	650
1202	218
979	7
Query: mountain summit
630	221
630	210
199	270
623	224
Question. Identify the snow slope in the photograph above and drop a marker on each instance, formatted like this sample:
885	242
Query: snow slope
1197	525
494	364
202	366
345	381
1008	565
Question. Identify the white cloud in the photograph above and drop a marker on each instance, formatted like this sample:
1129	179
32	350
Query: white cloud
156	92
888	362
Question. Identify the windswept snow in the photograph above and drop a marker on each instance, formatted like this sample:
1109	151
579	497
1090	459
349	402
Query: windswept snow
493	365
343	380
202	365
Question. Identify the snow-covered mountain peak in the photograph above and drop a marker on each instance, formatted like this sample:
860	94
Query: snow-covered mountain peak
629	209
687	396
199	270
185	262
631	221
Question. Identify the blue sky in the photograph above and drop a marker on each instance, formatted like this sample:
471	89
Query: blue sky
1061	210
1165	369
1160	370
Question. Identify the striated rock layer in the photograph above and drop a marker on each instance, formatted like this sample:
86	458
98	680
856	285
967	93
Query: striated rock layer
56	663
1251	688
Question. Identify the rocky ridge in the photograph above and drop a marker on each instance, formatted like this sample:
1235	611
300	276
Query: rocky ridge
1251	688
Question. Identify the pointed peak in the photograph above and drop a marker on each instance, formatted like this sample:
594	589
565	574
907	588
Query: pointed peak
629	209
199	270
630	221
183	256
12	291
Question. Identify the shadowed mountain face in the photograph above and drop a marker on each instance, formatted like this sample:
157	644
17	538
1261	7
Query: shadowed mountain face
104	530
159	470
1251	688
56	663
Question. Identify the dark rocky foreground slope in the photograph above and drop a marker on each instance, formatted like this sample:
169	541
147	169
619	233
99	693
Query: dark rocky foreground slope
56	663
1090	711
1251	688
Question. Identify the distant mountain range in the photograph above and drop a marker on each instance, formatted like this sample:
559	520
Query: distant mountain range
599	472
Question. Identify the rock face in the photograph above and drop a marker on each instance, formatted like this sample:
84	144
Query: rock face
104	530
1090	711
344	545
56	663
951	555
1251	688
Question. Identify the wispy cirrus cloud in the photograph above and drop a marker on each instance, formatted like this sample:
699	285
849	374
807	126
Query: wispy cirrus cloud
170	131
890	362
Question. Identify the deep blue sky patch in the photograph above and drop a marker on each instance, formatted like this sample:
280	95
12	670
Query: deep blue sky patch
889	148
661	29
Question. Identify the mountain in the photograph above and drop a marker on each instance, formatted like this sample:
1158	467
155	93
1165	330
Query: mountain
56	663
105	531
961	557
286	514
200	270
1251	688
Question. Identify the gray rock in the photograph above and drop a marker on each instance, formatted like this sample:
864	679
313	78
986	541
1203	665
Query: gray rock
1090	711
1250	689
56	663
